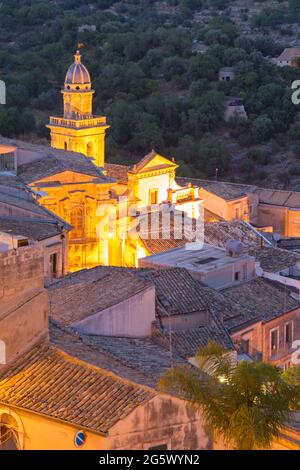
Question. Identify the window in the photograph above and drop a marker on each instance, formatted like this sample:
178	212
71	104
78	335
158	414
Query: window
153	196
237	276
159	447
77	222
288	333
274	337
7	161
53	265
23	242
245	343
9	439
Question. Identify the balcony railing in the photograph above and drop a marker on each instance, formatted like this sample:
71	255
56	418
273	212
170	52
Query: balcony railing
183	194
78	123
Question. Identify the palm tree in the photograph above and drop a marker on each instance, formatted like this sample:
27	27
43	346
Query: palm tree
246	404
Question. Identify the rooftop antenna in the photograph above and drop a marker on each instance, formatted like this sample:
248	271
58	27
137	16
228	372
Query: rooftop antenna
285	298
170	337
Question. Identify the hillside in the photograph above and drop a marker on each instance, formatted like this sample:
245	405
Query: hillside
155	70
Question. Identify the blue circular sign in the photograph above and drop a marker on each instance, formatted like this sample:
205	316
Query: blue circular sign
80	438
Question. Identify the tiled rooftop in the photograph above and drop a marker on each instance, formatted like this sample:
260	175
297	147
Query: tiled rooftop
72	302
187	342
274	259
117	172
227	191
52	383
261	299
33	229
276	197
289	53
140	360
217	233
54	164
184	299
177	293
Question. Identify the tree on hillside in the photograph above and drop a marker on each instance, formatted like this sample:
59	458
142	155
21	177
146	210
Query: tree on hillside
247	405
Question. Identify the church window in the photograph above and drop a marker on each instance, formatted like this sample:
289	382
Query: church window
77	222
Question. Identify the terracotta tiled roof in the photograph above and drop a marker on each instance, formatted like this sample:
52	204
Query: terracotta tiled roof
227	191
261	299
187	342
155	246
72	302
276	197
118	172
289	53
274	259
138	359
51	383
57	163
19	200
33	229
177	292
217	233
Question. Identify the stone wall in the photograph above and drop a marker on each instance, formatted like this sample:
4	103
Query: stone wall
163	421
24	303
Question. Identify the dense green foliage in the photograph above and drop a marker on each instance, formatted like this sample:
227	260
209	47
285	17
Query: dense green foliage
154	88
247	405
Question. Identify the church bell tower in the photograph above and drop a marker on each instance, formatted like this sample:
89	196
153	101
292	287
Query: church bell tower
78	130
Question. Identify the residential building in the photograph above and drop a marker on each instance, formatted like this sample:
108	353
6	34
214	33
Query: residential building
212	266
76	391
270	320
288	57
226	74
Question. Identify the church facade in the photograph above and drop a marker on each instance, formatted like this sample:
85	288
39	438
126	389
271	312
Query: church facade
88	201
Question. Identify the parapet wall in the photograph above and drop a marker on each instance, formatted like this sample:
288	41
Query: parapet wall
24	303
21	275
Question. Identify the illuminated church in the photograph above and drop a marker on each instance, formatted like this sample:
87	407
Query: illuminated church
79	195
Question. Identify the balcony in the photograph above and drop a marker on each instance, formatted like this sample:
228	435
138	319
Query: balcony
78	123
177	196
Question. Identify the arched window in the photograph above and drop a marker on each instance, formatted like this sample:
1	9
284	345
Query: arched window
77	222
9	437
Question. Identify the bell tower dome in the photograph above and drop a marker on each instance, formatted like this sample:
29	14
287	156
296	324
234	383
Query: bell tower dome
78	130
